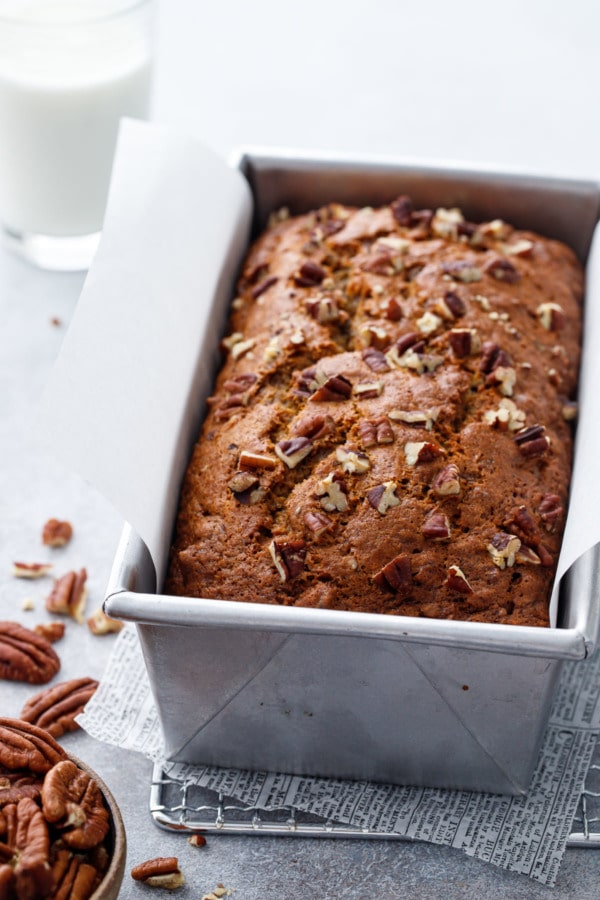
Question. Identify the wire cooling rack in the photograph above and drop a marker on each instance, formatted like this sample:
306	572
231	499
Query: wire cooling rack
177	806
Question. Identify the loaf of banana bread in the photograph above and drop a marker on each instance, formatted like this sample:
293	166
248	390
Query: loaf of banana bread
391	429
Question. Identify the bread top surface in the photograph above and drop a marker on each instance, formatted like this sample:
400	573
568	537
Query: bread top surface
391	430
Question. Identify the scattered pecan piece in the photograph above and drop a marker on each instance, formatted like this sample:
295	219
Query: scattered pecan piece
311	274
462	270
288	558
336	388
99	623
25	746
397	575
332	491
56	533
163	871
436	526
317	522
550	511
419	418
68	595
293	452
383	496
197	840
314	426
52	631
375	431
367	390
56	707
263	286
447	481
532	441
249	460
392	309
451	306
552	316
503	549
463	342
246	488
25	655
421	451
375	359
352	461
73	803
456	580
31	570
492	356
402	210
502	270
324	309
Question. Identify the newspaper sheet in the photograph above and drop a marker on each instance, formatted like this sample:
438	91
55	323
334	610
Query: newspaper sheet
527	835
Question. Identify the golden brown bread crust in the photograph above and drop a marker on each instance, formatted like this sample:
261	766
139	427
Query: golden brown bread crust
390	429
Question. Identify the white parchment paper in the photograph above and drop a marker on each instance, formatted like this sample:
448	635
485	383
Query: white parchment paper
177	224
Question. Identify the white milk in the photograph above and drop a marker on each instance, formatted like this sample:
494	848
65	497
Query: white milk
61	96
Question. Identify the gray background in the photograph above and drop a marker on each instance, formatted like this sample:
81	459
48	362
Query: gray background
515	87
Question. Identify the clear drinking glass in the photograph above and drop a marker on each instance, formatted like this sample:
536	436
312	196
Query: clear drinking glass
69	69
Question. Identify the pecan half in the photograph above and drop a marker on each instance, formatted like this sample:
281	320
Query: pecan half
73	803
163	871
26	852
14	786
56	707
25	655
68	595
56	533
74	878
25	746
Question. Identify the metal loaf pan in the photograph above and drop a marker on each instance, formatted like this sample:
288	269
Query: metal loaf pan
354	695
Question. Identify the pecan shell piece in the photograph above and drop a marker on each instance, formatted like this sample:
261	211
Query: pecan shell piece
73	803
25	655
56	707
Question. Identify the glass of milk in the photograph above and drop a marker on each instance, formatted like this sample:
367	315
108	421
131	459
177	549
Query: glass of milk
69	69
